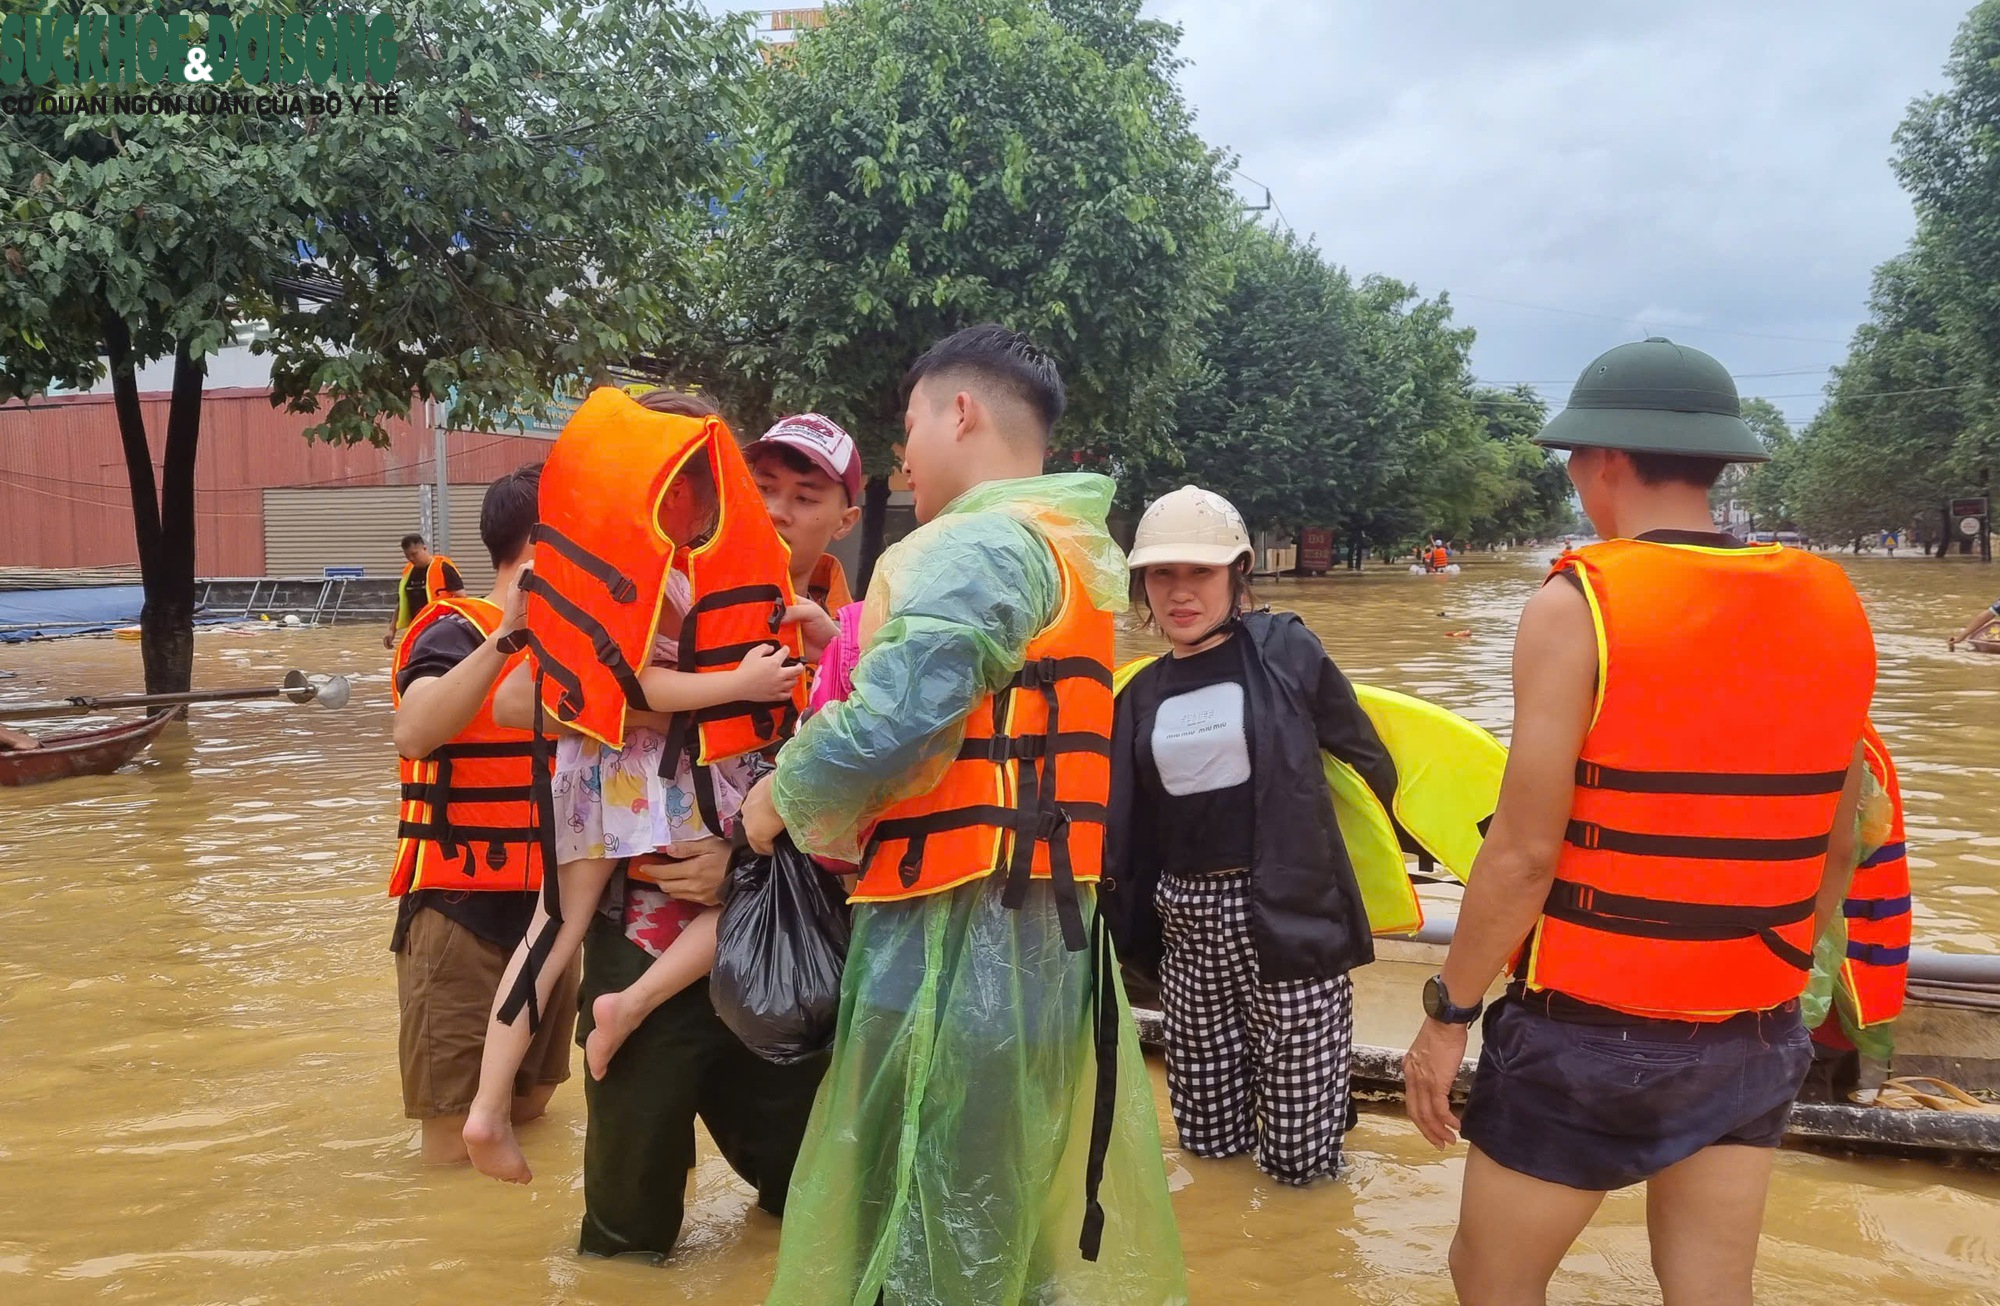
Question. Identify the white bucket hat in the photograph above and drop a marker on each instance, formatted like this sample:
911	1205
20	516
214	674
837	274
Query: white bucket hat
1193	526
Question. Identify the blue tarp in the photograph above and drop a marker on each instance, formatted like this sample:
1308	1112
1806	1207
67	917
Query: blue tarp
41	614
82	610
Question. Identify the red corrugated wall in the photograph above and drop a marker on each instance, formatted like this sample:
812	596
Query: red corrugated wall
64	500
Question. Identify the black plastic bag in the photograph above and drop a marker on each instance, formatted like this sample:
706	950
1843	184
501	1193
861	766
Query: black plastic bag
779	948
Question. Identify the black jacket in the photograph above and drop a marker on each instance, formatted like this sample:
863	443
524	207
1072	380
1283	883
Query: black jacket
1306	916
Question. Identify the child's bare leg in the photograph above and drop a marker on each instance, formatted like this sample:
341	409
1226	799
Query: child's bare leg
615	1015
489	1126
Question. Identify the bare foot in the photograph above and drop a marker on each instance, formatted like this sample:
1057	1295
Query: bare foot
611	1023
494	1150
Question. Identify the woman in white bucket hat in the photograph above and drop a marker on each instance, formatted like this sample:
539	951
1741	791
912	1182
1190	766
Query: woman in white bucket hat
1226	871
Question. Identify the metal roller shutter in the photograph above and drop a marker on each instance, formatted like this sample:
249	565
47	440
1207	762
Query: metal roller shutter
306	530
339	526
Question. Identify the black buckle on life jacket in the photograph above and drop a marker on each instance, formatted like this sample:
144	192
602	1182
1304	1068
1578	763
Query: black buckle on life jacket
1039	674
1050	821
777	613
513	641
912	866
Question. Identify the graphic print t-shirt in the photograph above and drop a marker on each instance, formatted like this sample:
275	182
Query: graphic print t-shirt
1196	766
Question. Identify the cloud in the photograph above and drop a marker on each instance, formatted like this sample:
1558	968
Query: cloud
1715	170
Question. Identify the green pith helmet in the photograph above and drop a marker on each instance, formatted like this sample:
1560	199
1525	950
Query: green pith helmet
1654	396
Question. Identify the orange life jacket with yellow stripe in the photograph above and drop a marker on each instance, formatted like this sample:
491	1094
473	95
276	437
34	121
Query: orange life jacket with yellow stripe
1026	794
601	562
467	817
1708	782
1877	909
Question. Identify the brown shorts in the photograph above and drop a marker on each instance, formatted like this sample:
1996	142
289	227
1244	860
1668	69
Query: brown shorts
445	978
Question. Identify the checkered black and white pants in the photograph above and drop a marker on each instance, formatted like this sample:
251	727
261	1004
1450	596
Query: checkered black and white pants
1251	1066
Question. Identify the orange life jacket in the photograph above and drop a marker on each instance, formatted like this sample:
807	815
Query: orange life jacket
1440	559
601	562
434	587
1878	909
467	819
828	586
1027	792
1707	785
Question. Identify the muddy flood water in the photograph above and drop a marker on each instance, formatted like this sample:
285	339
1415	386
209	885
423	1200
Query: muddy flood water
198	1094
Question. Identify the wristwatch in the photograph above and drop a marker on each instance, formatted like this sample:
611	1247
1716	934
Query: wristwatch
1437	1004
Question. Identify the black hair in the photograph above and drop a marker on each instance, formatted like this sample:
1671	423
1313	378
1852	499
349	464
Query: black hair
413	538
508	514
1241	597
678	402
1677	469
1002	358
795	461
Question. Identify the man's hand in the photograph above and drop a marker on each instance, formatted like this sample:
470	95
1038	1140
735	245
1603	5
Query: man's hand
389	640
14	739
1429	1069
695	872
816	628
515	614
761	823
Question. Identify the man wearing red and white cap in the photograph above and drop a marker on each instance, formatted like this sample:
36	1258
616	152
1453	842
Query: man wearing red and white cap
810	475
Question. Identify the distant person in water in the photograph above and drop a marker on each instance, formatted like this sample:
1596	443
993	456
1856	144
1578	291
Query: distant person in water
427	577
1987	617
14	739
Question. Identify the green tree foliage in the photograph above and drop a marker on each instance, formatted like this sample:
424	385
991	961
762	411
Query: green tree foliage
522	219
1322	402
923	165
1910	420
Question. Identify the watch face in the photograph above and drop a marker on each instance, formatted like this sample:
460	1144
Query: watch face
1434	998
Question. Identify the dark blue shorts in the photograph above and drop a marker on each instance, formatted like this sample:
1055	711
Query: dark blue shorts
1599	1107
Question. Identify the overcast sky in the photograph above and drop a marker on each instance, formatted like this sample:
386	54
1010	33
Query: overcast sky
1714	170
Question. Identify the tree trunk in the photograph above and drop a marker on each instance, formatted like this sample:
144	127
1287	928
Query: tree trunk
1944	540
874	527
162	512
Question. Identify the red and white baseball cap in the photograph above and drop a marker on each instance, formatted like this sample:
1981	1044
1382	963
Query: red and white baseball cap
821	439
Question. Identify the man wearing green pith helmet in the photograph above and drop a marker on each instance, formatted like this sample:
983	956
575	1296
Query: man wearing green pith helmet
1674	832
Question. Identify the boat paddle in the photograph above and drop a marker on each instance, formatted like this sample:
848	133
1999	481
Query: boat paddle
327	691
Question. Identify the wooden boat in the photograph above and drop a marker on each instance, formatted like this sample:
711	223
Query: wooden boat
88	752
1985	645
1950	1027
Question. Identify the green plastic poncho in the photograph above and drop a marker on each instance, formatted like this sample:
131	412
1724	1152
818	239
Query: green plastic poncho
1823	988
944	1162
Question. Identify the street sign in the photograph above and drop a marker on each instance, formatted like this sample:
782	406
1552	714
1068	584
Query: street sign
1975	507
1316	549
1968	526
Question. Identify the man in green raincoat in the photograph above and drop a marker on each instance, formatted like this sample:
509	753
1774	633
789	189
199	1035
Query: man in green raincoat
983	1037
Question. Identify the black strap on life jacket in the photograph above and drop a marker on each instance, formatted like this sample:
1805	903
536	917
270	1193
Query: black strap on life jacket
1888	852
438	795
1653	918
1042	821
522	995
609	655
617	584
772	721
1587	834
1874	954
1875	909
1104	1098
1592	775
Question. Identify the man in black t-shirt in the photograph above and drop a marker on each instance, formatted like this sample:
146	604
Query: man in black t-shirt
452	944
